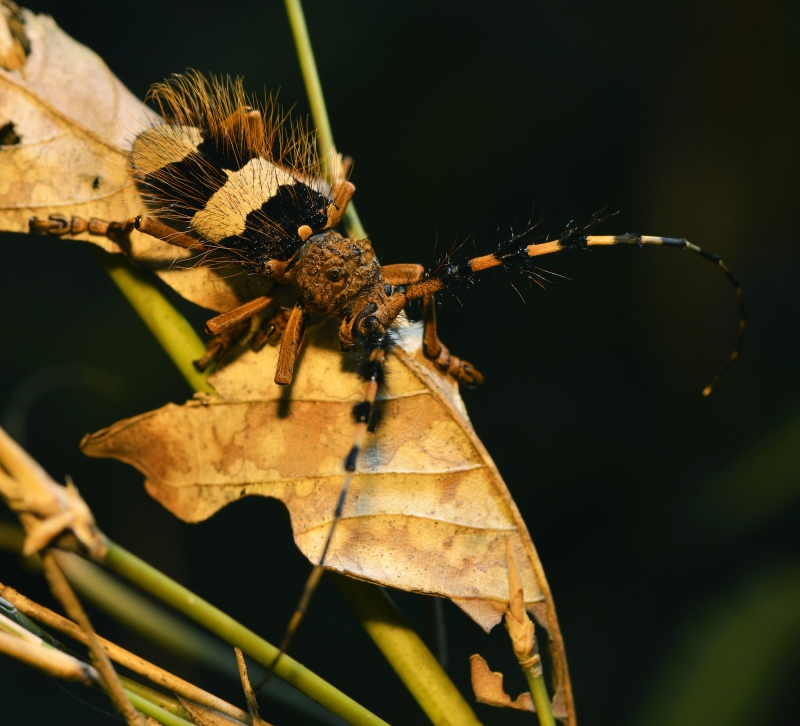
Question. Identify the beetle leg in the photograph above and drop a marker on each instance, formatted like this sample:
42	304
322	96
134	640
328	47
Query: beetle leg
290	344
463	371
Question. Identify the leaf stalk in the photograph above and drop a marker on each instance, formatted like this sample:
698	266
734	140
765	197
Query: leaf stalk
319	111
156	583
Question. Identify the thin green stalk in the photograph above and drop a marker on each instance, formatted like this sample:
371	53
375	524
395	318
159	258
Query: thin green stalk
159	714
176	336
288	669
402	647
541	700
407	654
316	100
123	604
143	616
168	703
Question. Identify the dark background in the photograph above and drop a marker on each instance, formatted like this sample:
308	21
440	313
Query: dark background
667	523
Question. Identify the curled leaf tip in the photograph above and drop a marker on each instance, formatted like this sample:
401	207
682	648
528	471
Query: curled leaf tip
488	687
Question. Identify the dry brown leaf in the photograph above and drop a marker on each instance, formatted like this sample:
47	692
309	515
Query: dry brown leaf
69	125
488	687
427	509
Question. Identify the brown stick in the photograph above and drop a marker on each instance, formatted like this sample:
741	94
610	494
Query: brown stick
62	590
290	345
49	660
249	693
124	657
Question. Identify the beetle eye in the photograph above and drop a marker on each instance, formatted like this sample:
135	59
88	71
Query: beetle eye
334	274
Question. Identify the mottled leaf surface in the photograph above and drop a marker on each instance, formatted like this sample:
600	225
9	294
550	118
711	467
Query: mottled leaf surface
69	125
427	509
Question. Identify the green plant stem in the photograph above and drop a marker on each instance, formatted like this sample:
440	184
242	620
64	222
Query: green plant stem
402	647
110	595
407	654
541	700
319	111
141	615
288	669
173	705
159	714
176	336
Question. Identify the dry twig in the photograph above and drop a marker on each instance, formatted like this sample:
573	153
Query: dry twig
45	508
124	657
66	596
249	693
47	659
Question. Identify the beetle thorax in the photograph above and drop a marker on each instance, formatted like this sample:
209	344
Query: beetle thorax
340	276
330	271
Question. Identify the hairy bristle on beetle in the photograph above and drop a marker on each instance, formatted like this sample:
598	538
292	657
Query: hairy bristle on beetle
241	175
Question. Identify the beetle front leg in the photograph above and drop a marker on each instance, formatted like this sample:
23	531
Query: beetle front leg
433	348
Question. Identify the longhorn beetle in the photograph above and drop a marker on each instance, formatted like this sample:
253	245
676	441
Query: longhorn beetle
246	186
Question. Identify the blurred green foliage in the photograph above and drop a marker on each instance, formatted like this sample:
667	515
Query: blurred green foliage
735	658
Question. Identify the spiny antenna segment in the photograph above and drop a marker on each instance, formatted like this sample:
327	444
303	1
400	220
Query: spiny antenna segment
366	419
515	252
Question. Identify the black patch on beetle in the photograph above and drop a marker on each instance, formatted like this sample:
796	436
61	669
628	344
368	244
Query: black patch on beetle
271	230
361	411
184	187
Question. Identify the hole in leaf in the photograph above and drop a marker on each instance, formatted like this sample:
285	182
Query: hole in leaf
9	135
